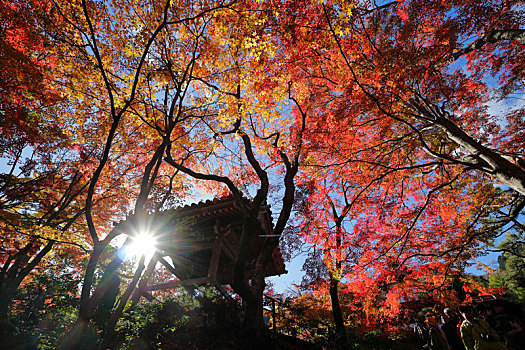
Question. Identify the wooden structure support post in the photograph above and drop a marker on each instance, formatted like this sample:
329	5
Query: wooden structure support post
274	317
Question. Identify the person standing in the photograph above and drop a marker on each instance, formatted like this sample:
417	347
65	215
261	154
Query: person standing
437	339
421	331
477	334
450	328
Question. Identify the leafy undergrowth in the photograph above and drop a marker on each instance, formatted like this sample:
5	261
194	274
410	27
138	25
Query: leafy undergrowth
228	338
207	324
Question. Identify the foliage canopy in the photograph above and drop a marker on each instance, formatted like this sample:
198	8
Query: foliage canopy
386	136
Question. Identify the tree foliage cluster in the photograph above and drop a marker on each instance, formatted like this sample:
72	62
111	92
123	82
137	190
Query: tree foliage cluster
388	137
510	269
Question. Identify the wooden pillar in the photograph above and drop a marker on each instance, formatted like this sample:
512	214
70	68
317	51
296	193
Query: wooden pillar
274	317
215	257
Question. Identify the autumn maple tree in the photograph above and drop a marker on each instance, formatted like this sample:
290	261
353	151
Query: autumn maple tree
406	152
39	195
384	113
180	98
129	101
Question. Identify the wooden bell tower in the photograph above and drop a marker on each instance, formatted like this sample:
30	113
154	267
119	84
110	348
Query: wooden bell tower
202	241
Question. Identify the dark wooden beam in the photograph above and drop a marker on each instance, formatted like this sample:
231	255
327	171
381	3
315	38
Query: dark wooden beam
175	284
214	261
168	266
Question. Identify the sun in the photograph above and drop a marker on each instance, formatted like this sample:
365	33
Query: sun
142	244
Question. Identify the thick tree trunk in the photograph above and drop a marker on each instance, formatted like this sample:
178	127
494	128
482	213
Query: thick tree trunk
252	297
485	158
253	321
337	313
250	289
109	331
254	327
481	157
492	37
82	336
12	275
5	300
85	309
6	297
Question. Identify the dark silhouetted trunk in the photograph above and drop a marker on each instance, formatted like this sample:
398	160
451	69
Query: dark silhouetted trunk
337	313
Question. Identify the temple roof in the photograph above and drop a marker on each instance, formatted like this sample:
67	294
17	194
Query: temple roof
203	239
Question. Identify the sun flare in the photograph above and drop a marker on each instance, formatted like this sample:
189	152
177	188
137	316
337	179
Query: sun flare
142	244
